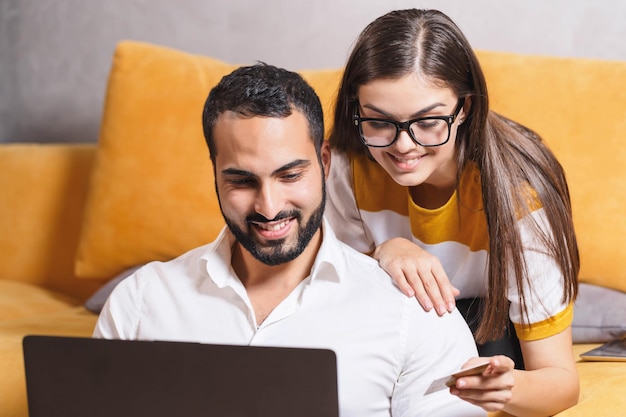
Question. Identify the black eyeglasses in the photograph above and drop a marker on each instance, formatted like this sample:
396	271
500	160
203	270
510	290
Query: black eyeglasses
424	131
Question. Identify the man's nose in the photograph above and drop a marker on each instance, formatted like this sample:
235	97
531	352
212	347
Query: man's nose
269	201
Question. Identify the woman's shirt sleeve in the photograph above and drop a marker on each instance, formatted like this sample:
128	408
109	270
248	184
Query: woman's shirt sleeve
341	208
547	313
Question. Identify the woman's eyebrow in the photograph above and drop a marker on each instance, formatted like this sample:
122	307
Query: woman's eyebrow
415	115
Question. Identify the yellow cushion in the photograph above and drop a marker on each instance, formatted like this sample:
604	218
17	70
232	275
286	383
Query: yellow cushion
152	193
579	108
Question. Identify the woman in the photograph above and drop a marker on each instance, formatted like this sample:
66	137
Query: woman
455	200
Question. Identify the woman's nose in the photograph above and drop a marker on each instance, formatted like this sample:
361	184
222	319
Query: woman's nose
404	143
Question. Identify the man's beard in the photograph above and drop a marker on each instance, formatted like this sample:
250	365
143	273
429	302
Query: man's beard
278	253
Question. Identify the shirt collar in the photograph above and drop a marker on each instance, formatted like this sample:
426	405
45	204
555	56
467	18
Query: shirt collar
329	263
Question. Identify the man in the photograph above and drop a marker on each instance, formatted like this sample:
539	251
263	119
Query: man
276	275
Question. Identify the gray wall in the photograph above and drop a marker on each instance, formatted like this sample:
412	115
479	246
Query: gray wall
55	54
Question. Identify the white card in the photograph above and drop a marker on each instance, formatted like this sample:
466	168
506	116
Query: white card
449	380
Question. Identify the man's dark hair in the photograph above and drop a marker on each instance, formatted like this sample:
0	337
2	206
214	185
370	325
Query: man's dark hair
263	90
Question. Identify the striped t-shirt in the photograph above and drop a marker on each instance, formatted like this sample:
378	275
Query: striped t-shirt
367	207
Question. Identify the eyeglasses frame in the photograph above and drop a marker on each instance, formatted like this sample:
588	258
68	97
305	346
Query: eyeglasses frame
404	126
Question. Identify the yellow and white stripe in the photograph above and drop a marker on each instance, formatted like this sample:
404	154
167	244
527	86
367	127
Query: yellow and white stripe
366	207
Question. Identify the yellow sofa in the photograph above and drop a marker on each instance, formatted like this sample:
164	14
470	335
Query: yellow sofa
74	216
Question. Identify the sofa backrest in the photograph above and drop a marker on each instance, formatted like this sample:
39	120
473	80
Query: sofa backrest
153	172
151	193
43	189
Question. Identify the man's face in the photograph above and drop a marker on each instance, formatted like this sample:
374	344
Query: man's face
269	183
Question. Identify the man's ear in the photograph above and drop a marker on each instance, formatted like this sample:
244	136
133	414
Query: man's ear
326	157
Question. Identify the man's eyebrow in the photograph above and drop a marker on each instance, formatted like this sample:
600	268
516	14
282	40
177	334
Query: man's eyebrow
298	163
237	172
415	115
243	173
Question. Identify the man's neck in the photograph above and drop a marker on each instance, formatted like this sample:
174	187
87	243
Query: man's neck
267	286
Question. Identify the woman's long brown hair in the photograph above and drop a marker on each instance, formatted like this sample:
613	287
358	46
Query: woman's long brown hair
516	167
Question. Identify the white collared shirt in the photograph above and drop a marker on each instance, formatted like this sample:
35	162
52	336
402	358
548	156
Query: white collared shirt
388	348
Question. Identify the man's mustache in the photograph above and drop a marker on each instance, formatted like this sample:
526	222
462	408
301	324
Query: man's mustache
259	218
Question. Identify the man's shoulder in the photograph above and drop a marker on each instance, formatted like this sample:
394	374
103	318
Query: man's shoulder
363	271
187	264
342	253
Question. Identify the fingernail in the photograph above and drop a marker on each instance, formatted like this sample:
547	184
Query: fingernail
450	307
461	383
428	306
441	309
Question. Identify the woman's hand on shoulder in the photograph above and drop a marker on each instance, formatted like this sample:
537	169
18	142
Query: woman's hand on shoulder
417	273
493	389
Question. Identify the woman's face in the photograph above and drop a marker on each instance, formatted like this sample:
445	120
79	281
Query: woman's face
406	98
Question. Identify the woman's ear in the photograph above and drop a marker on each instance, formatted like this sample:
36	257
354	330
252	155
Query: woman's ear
467	106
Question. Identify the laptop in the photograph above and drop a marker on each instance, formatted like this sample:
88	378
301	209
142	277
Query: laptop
78	377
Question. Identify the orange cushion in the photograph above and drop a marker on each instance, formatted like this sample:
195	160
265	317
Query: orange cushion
152	191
